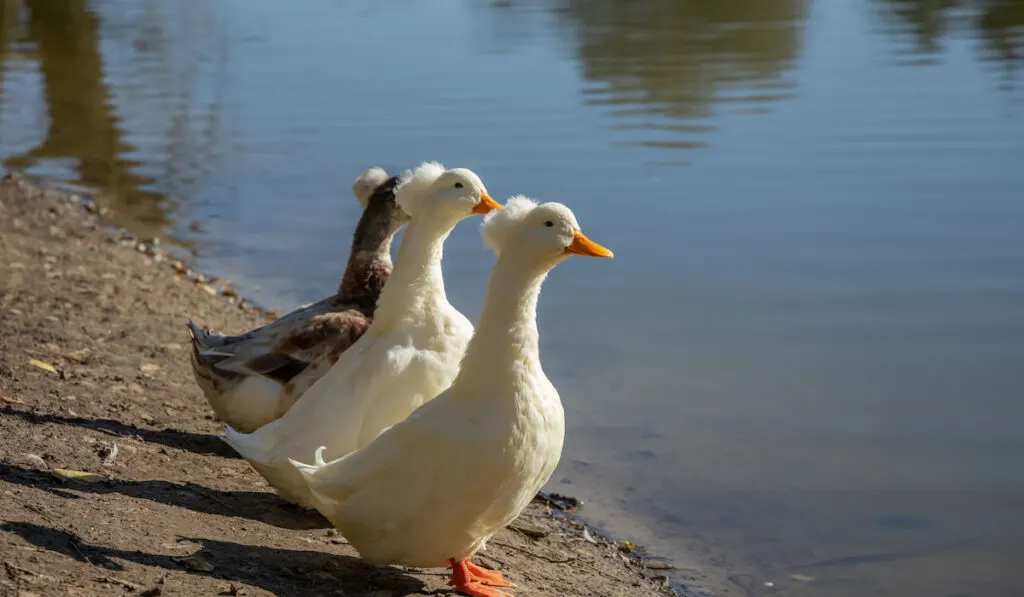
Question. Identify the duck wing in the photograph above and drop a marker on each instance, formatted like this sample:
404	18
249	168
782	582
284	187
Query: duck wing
282	349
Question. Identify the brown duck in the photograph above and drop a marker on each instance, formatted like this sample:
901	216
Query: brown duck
253	378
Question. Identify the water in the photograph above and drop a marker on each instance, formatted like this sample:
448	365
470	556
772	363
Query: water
804	365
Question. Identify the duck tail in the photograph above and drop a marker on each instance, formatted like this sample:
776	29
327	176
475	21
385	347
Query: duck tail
257	446
309	471
198	335
202	364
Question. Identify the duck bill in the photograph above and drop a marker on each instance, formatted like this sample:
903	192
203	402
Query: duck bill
581	245
486	205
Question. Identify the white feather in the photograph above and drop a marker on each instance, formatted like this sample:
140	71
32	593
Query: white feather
367	182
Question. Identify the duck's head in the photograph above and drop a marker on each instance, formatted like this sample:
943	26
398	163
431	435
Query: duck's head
375	191
542	234
456	193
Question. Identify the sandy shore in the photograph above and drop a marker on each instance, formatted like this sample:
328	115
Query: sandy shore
94	377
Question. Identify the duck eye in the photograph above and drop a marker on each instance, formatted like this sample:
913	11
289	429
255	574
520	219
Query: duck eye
458	185
549	223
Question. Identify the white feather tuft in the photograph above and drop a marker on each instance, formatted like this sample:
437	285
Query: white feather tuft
498	223
413	185
364	186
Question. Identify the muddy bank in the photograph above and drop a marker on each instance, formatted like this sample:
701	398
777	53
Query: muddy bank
94	377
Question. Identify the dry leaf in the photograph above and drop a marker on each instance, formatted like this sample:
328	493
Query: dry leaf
229	292
79	475
208	289
42	365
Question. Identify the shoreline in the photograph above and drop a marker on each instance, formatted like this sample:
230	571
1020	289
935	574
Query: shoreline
115	476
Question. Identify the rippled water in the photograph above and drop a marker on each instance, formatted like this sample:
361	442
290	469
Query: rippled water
805	365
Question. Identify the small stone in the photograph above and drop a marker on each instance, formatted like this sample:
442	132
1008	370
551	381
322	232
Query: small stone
80	356
196	563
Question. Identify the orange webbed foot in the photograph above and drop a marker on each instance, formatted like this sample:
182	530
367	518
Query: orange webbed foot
470	579
491	578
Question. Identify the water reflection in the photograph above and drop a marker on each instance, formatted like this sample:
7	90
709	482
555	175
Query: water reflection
666	65
82	124
98	64
998	24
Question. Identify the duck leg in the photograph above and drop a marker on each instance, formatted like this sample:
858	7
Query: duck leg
470	579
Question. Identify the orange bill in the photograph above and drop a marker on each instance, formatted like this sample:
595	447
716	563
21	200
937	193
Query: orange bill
487	204
581	245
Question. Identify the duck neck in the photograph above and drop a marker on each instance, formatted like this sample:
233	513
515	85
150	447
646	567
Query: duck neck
506	334
369	263
365	276
417	280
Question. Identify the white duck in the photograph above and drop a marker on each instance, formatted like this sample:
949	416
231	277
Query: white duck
434	487
409	354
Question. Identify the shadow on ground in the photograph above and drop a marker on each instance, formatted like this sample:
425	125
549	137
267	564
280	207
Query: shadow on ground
284	572
198	443
260	506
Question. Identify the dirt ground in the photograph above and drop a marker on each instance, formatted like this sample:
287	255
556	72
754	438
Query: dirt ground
94	377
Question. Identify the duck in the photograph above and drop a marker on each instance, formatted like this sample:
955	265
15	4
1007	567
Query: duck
434	487
253	378
409	354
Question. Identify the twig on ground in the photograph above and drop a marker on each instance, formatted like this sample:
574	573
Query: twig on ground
110	580
531	533
74	539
